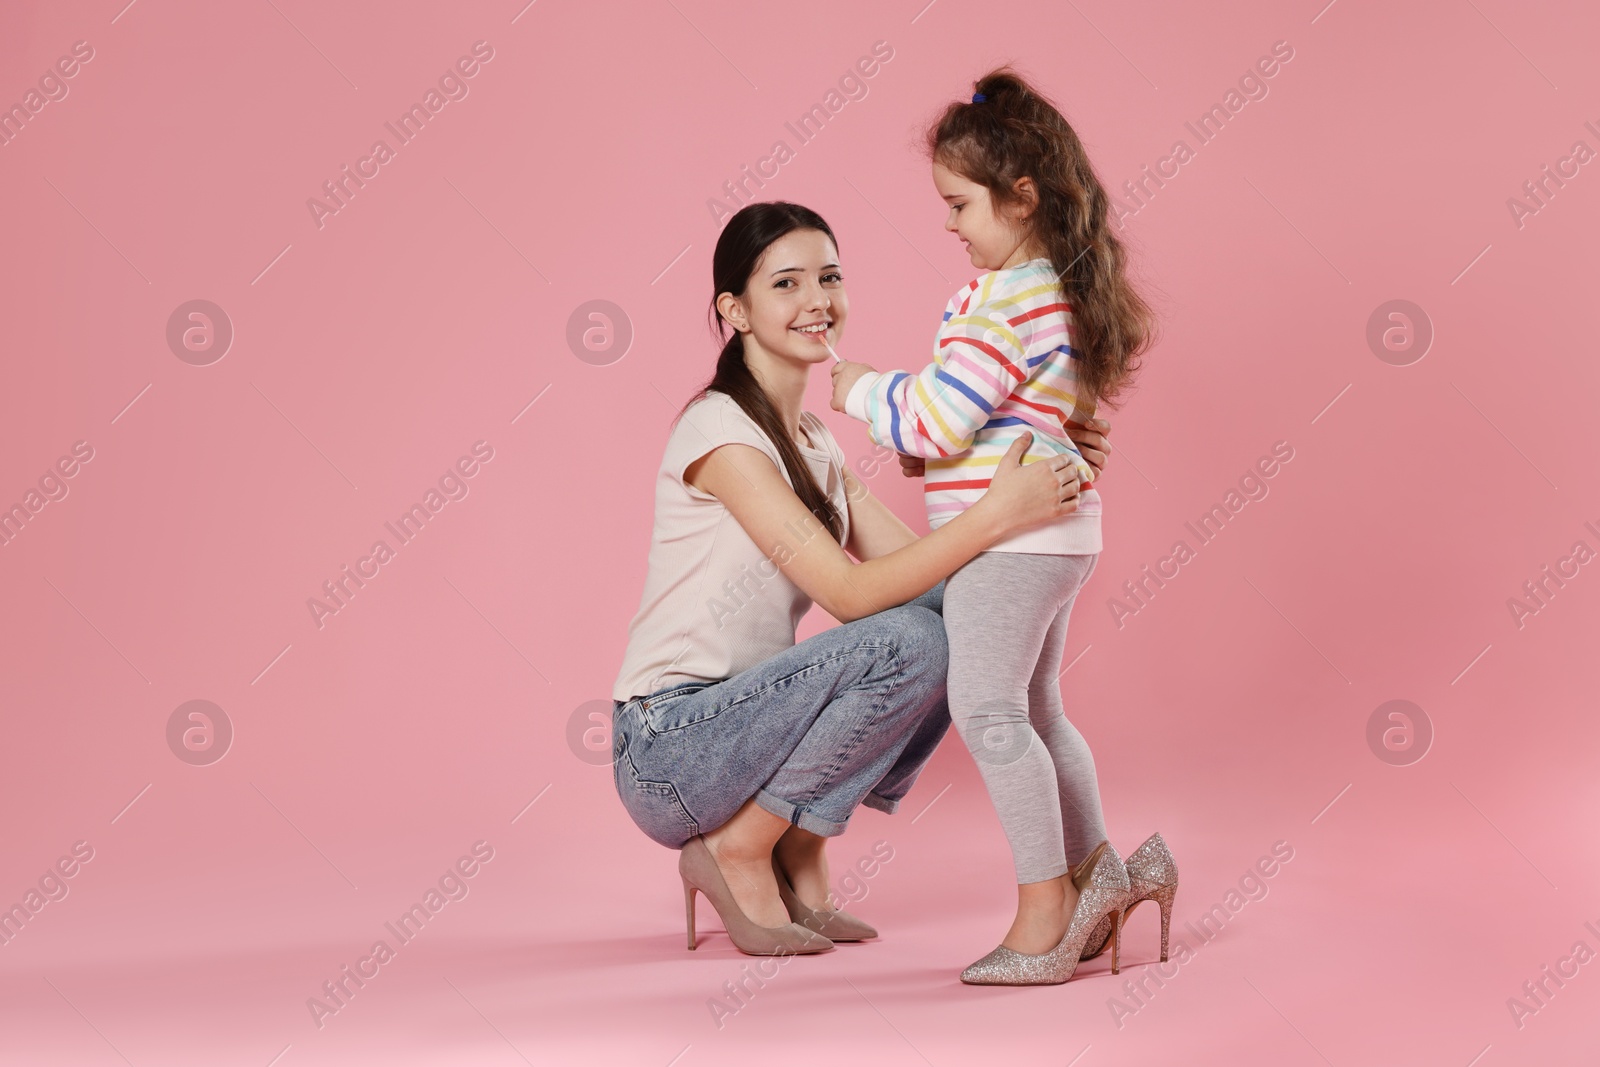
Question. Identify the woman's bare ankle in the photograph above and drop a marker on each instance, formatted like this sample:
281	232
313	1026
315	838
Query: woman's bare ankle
742	848
750	834
730	845
804	859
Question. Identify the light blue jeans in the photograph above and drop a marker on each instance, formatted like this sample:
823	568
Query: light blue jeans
846	717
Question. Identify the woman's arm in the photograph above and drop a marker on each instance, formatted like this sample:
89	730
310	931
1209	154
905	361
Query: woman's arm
749	485
875	531
1090	439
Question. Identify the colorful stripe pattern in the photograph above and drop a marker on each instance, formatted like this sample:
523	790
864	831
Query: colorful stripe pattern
1002	364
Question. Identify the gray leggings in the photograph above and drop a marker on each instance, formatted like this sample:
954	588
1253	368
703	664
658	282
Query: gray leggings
1005	614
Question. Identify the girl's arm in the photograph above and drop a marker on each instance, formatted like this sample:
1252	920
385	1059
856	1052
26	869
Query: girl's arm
978	362
750	486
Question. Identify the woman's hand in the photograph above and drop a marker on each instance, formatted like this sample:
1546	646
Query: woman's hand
1091	443
845	374
1024	494
912	466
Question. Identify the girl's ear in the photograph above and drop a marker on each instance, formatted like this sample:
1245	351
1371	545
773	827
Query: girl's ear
1029	193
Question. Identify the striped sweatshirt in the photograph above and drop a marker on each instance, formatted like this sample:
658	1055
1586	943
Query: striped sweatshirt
1002	365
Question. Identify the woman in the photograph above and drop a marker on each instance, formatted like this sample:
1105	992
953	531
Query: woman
731	742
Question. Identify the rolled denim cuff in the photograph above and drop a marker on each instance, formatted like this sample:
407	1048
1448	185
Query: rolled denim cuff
883	804
798	816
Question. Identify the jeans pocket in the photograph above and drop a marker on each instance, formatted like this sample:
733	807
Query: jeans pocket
621	716
676	708
655	807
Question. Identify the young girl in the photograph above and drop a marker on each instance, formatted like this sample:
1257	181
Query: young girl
1036	344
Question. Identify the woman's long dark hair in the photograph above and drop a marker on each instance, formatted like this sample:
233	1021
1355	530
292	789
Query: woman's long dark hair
748	234
1016	132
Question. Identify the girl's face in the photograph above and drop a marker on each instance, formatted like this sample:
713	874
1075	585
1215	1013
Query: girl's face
993	241
794	299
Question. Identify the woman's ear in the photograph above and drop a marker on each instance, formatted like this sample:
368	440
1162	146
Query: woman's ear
732	312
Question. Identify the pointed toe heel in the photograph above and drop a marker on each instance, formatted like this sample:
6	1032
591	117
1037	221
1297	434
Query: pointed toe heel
835	924
1103	891
699	871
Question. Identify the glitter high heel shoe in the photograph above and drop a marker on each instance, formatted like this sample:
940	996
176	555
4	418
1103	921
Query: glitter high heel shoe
699	871
1153	874
1103	891
835	924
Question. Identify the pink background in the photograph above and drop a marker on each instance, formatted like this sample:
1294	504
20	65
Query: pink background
431	311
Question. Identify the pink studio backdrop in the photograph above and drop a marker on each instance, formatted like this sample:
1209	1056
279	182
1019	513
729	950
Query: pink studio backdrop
220	481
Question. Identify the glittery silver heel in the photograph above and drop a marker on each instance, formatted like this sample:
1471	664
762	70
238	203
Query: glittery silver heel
1103	891
1153	874
1116	942
1163	898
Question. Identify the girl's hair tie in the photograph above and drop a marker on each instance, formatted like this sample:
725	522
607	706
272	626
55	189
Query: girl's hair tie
978	98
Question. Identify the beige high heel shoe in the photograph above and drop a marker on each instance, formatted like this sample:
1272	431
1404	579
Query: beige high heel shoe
699	870
1103	891
1153	875
835	924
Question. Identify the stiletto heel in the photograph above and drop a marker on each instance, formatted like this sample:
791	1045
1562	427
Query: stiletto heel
1153	875
699	870
1103	891
1163	898
1116	942
688	911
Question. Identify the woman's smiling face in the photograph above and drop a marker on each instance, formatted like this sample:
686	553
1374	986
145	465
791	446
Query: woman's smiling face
796	288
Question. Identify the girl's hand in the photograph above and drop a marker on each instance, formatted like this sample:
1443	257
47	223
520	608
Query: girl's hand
912	466
1091	443
1024	494
845	374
